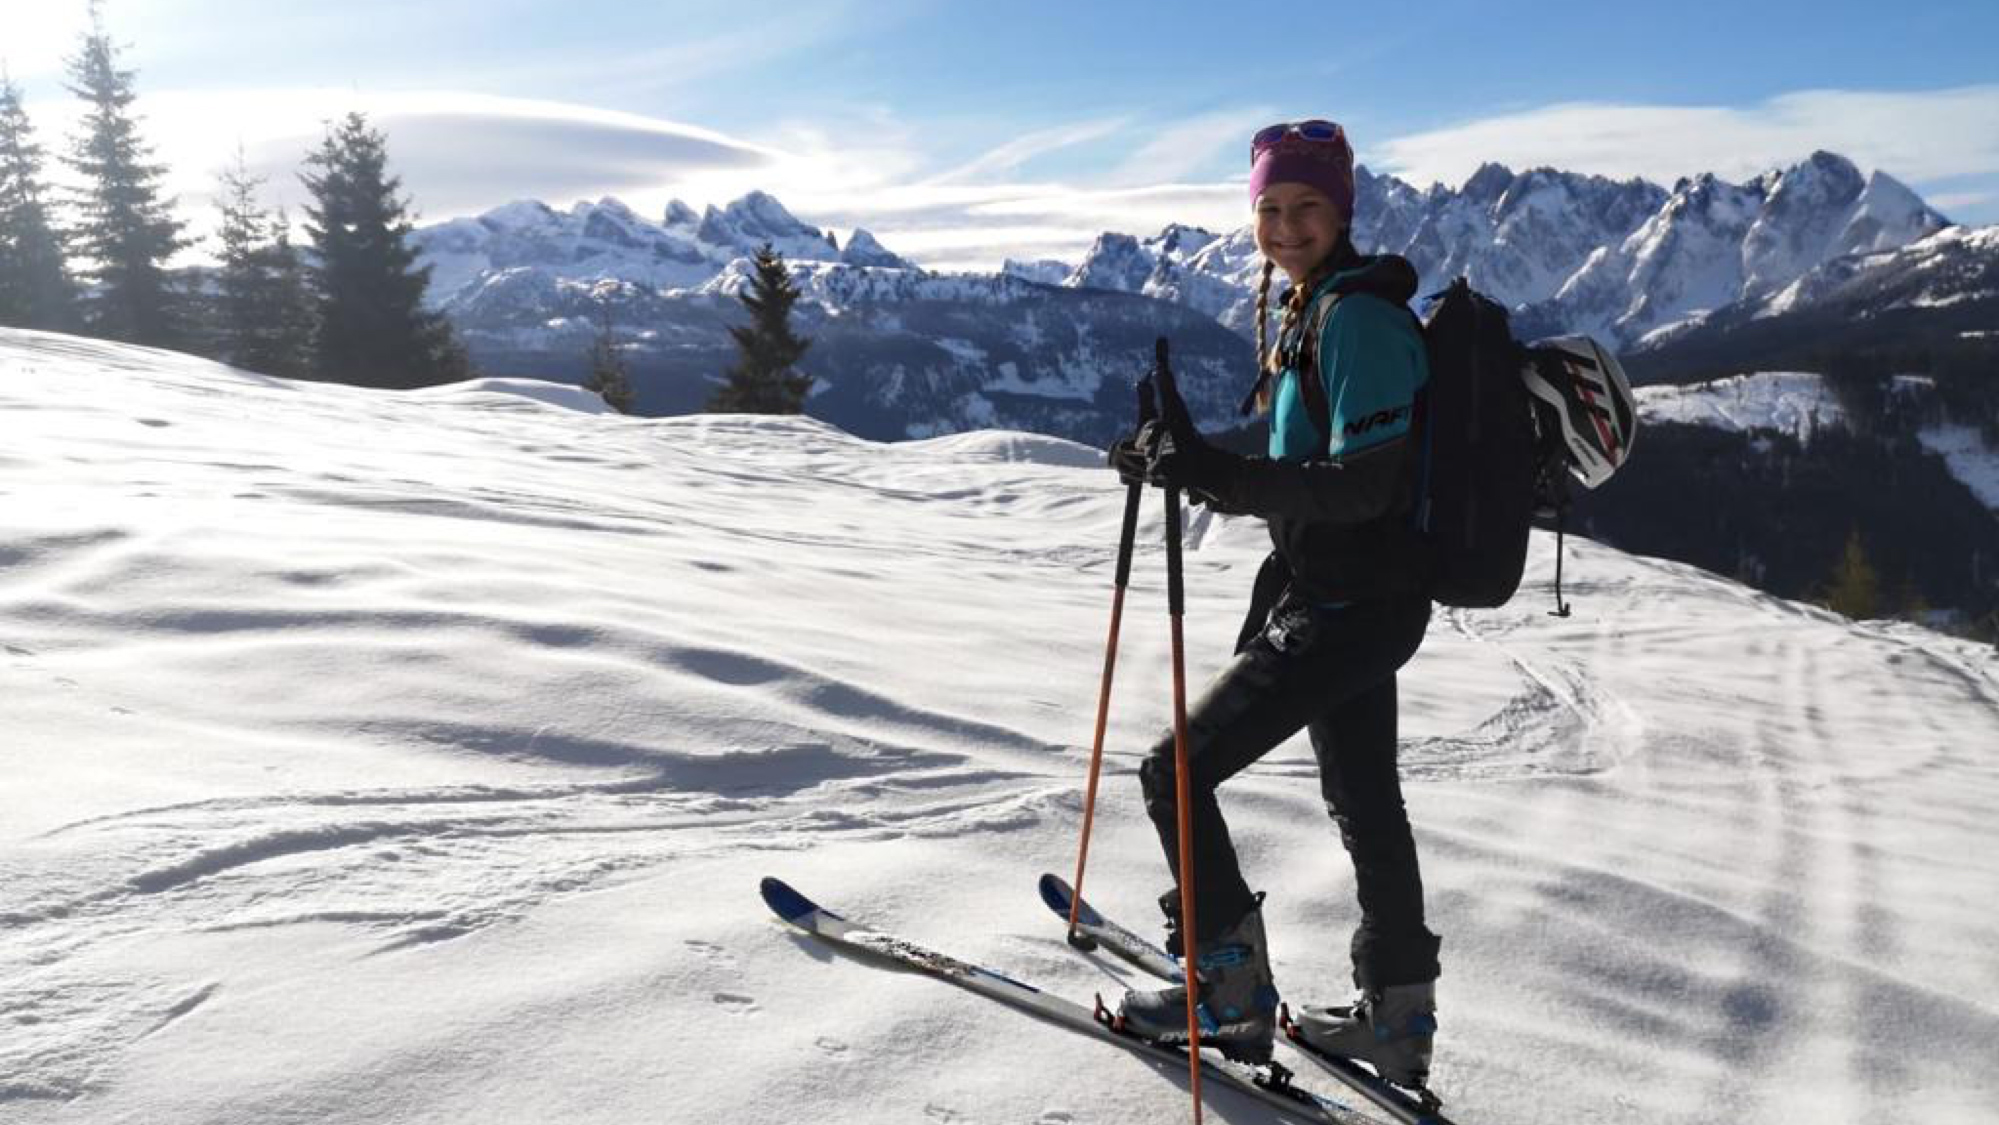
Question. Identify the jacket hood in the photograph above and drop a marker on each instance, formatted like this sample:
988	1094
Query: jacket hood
1388	276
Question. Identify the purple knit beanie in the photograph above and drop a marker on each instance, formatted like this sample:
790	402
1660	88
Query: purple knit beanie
1324	161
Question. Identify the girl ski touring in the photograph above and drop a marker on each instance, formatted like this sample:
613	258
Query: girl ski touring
1340	605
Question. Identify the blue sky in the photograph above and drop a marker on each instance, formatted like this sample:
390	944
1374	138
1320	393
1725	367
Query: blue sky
964	132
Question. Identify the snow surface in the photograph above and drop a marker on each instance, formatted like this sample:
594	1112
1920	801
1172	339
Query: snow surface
1963	448
565	395
1792	402
376	757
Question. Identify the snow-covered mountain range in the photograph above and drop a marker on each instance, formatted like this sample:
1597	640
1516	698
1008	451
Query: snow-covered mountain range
898	351
1616	259
1937	296
902	351
608	240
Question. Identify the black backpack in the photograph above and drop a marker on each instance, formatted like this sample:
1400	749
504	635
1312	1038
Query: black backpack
1487	466
1490	458
1487	463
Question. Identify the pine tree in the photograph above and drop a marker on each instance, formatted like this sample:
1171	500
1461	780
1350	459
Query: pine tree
608	376
1855	589
373	329
243	232
127	231
263	309
36	290
763	380
287	307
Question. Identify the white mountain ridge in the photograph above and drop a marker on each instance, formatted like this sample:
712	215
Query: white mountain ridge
1938	264
1714	243
1581	253
1618	259
608	240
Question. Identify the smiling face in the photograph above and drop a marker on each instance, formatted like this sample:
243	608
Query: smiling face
1297	225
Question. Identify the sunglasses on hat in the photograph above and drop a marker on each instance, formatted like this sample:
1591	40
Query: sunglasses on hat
1313	130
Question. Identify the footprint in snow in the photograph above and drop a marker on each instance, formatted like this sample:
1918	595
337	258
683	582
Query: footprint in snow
737	1004
830	1047
709	950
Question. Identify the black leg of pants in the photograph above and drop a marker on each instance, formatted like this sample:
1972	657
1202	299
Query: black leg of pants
1331	671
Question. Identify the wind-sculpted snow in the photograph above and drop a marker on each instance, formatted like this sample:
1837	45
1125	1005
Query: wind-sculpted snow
394	757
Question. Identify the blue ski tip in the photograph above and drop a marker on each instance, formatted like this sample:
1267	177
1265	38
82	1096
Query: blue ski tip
785	902
1056	893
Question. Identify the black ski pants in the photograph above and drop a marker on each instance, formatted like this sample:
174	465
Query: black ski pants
1332	672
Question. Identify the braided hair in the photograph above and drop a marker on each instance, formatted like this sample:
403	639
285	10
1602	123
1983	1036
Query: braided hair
1269	356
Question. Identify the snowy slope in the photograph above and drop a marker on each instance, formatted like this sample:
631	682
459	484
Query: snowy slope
414	758
1792	402
1800	404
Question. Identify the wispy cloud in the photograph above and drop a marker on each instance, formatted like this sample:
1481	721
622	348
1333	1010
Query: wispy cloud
978	226
869	165
455	153
1180	149
648	70
463	153
1007	158
650	55
1950	201
1914	136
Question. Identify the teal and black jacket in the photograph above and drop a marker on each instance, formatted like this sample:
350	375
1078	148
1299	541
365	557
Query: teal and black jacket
1340	480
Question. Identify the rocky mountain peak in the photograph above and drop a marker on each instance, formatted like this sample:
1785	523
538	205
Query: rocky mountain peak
864	250
1115	261
679	214
1487	184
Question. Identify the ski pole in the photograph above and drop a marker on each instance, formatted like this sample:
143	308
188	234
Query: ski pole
1182	783
1127	536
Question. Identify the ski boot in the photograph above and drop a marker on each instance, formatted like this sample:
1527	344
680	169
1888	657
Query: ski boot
1389	1029
1237	1002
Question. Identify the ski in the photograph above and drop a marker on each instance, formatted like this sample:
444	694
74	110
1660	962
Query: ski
1097	930
1270	1084
1403	1105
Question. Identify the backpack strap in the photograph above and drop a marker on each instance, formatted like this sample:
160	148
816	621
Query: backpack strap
1310	384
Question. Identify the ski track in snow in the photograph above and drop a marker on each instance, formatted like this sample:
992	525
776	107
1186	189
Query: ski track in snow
319	698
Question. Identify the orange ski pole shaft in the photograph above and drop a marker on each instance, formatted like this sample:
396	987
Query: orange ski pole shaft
1126	537
1183	798
1183	787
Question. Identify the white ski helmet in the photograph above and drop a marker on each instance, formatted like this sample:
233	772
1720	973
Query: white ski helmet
1589	398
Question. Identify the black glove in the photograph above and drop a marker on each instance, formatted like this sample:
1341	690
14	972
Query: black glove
1182	458
1131	458
1187	463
